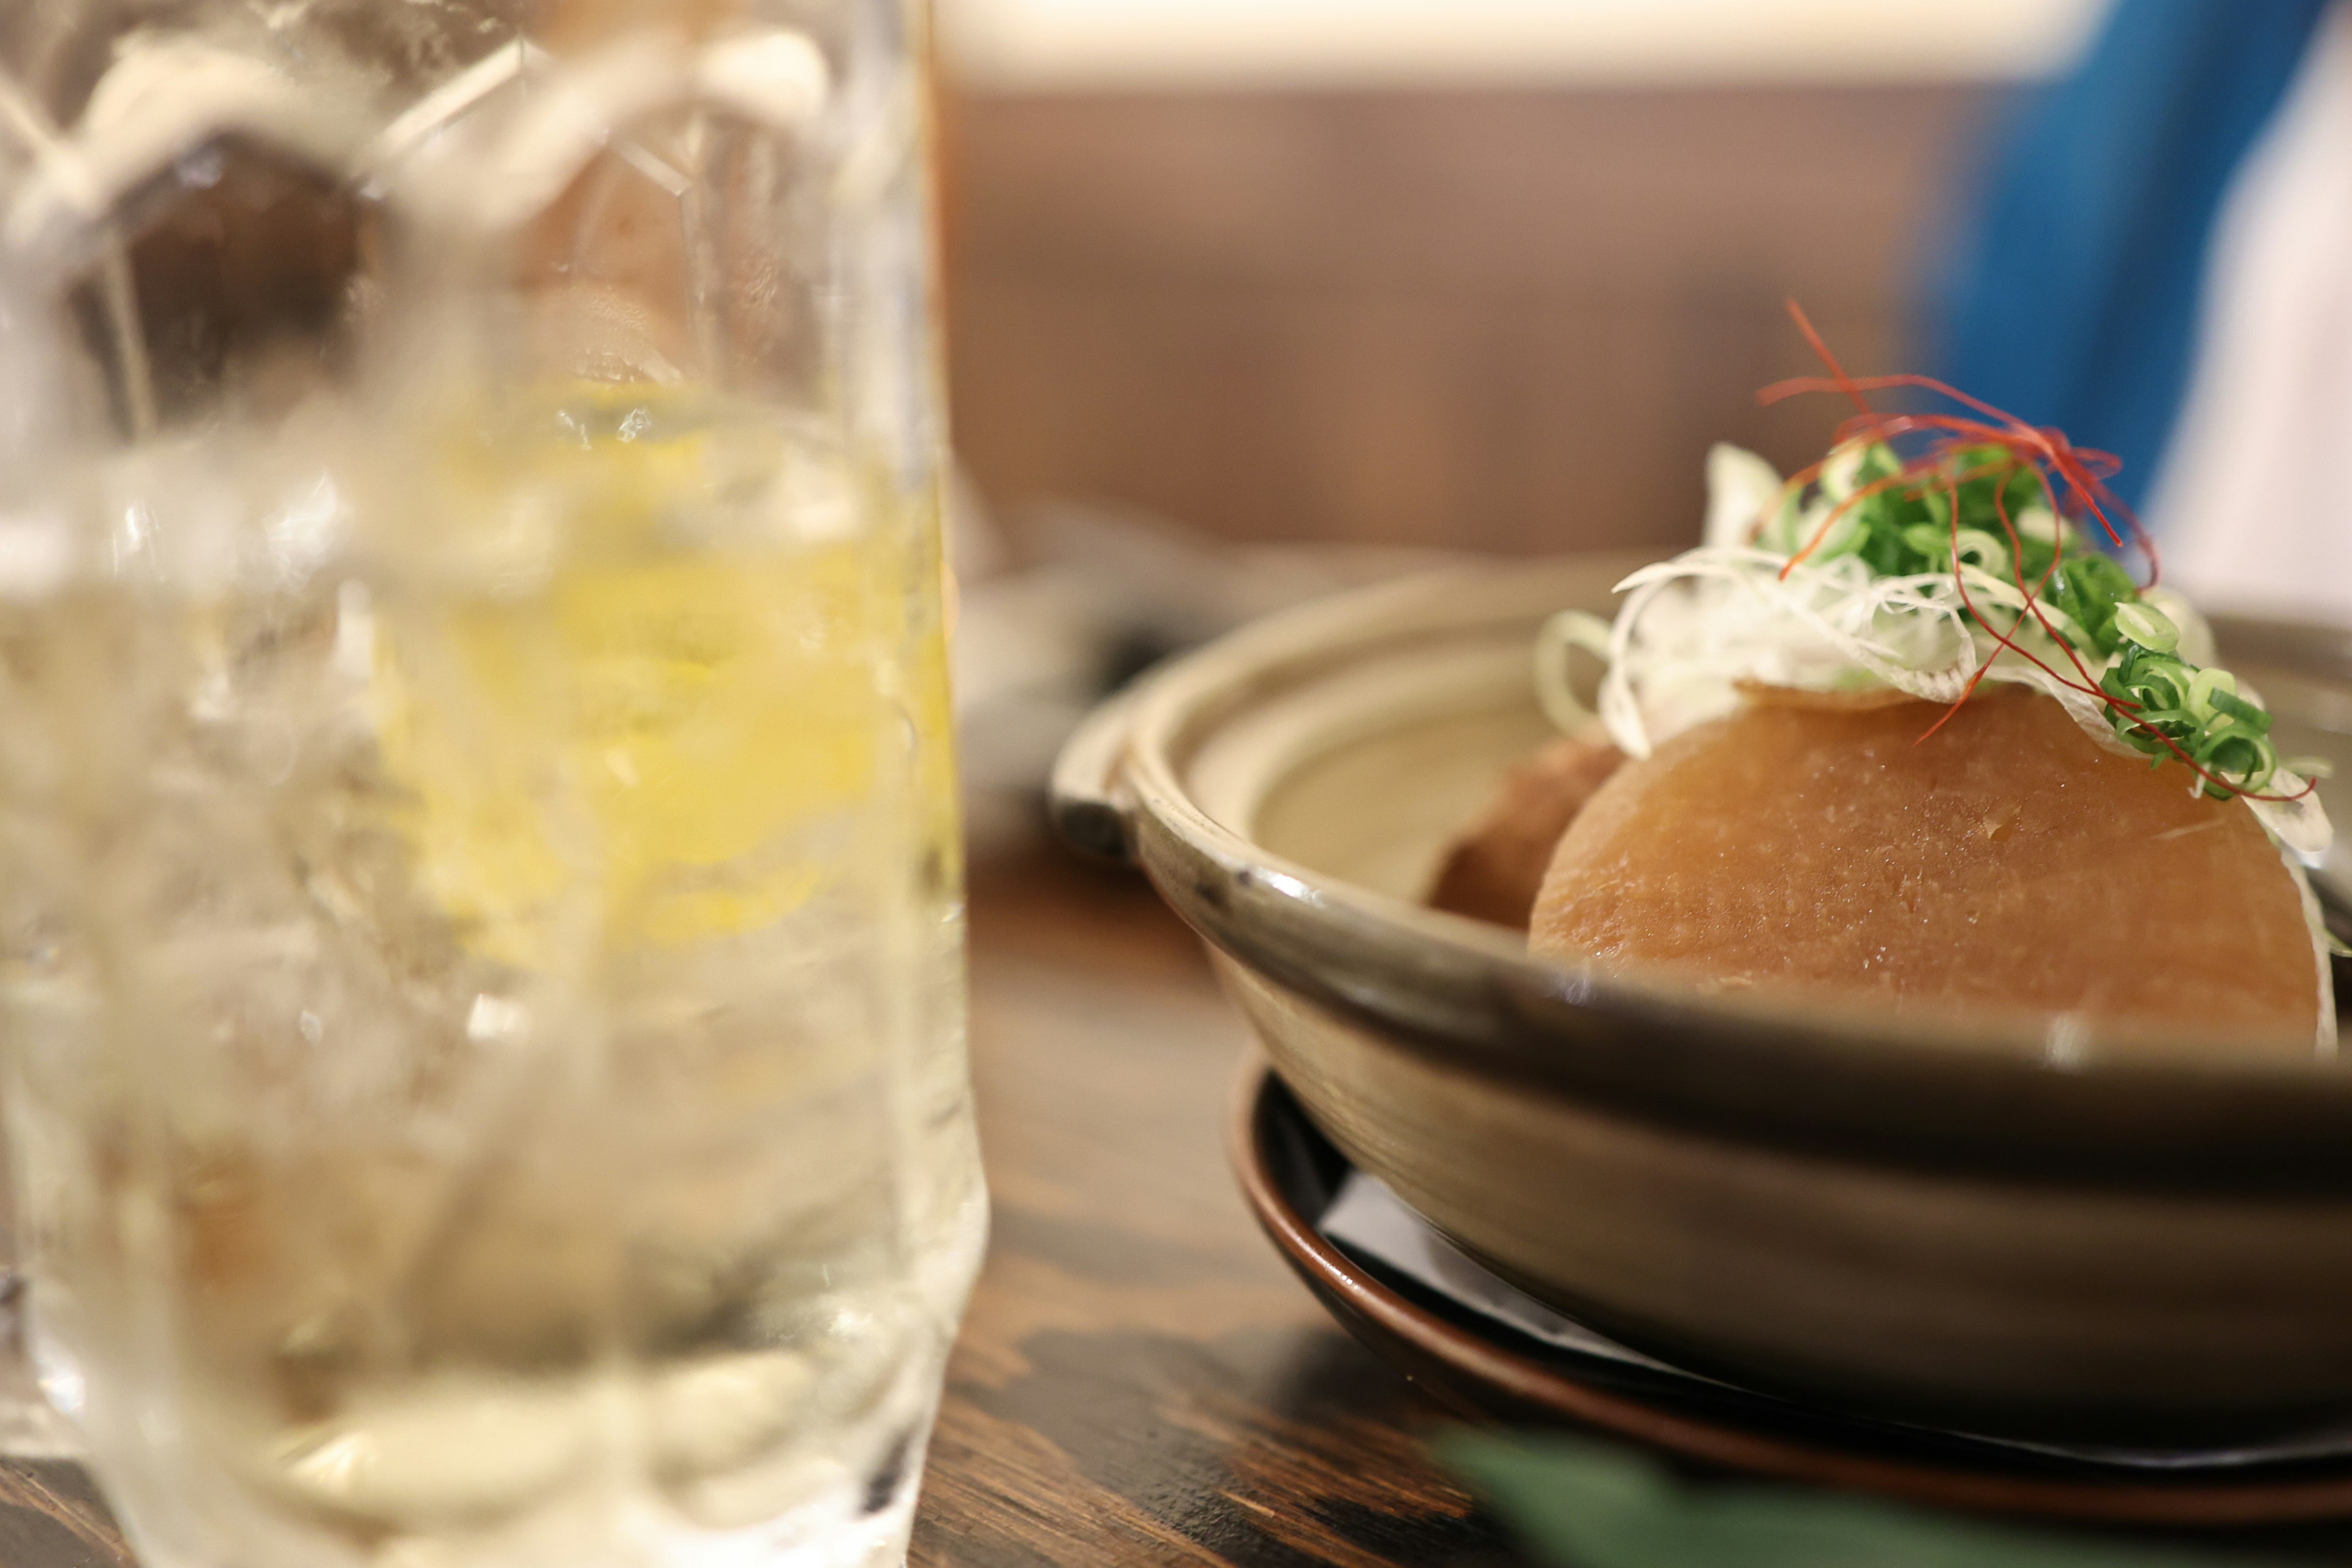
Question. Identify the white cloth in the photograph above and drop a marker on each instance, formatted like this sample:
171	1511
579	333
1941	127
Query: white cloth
2253	510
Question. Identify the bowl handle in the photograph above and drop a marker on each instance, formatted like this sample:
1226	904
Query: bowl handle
1088	801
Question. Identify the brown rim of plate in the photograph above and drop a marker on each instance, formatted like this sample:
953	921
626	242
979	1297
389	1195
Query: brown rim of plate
1398	1331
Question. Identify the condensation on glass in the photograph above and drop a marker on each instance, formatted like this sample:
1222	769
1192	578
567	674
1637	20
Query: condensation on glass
480	895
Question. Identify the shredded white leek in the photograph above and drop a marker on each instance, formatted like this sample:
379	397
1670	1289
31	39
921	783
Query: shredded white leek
1696	626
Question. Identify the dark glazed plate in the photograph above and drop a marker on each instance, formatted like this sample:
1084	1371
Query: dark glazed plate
1290	1175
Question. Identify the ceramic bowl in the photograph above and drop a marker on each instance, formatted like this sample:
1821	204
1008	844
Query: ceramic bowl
2007	1229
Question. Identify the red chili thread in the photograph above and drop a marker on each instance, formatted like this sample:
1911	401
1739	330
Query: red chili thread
1961	581
2031	595
2042	452
2083	468
2088	686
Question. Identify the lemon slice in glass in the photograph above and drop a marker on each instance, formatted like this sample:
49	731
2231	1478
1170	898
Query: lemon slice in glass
675	720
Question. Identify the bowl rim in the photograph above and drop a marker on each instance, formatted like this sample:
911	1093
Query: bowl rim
1994	1100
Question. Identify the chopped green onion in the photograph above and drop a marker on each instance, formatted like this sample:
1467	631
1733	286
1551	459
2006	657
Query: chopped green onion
1928	540
2027	575
2208	682
2152	629
2228	701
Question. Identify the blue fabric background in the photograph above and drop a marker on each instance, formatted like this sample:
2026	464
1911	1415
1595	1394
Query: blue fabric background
2072	299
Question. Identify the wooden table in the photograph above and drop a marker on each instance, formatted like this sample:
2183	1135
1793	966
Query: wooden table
1140	1379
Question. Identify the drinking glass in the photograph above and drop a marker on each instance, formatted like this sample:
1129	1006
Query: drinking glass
480	895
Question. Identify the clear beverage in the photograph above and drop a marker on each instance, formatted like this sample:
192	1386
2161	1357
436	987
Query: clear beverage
483	915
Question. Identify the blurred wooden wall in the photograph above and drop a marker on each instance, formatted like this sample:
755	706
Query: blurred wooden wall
1507	321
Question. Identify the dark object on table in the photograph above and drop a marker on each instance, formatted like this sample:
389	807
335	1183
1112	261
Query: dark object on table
1290	1175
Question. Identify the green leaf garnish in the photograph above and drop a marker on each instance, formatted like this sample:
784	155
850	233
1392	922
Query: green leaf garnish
1584	1504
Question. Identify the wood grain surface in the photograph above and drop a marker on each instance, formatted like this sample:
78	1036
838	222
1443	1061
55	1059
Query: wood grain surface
1140	1379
